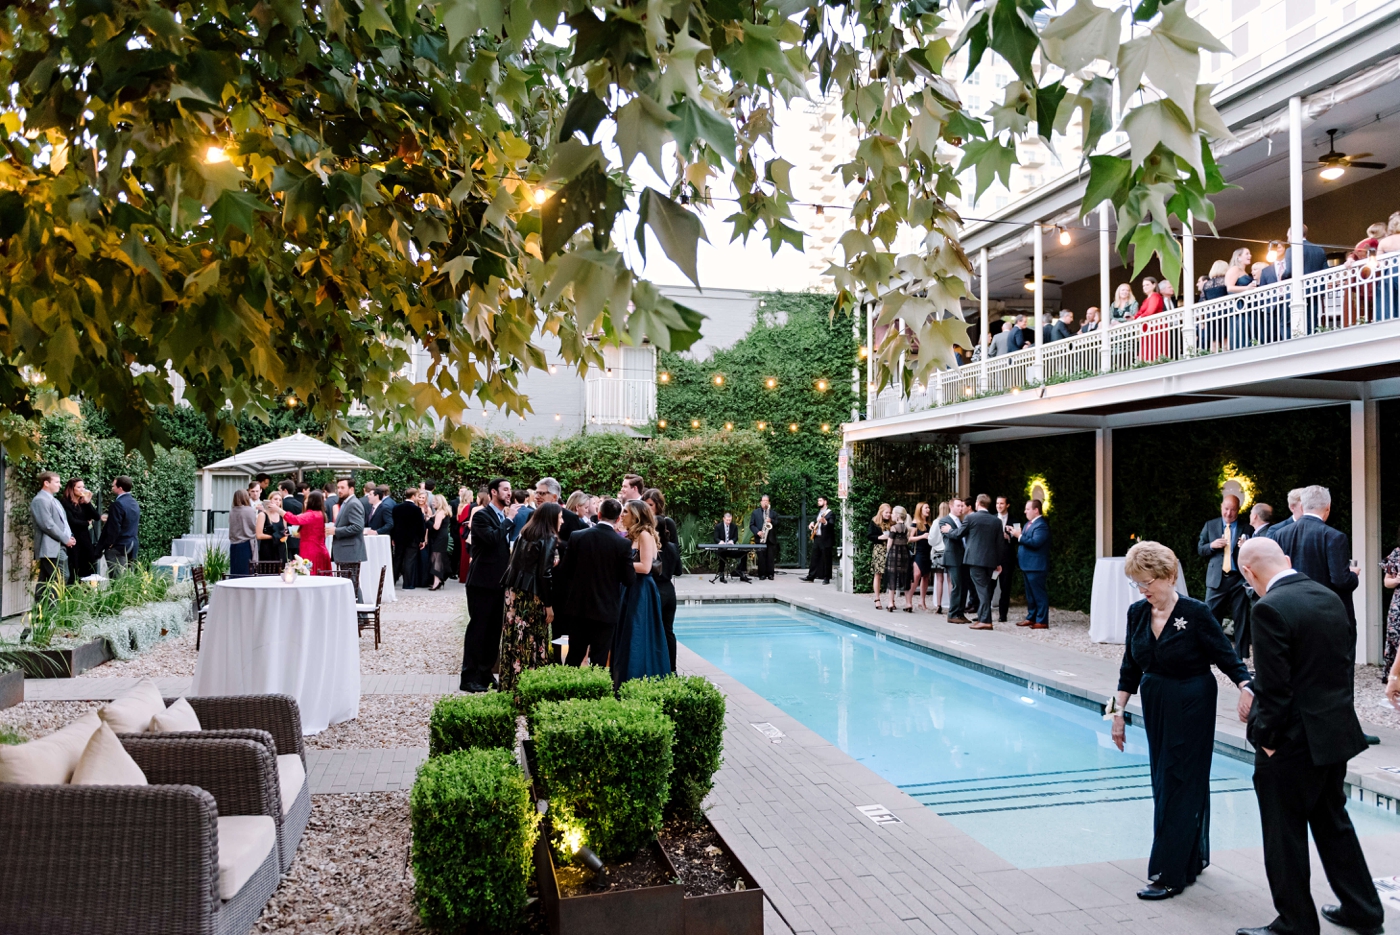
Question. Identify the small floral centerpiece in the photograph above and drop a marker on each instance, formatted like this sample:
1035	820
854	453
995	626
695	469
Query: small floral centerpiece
296	567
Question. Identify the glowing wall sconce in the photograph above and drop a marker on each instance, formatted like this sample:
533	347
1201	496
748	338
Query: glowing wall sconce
1037	488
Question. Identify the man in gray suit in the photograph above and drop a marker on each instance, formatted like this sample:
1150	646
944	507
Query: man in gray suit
51	532
348	546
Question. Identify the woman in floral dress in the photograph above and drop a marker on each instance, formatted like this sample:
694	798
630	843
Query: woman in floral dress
1392	618
529	582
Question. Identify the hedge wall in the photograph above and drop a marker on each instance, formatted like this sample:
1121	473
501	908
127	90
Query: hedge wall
900	474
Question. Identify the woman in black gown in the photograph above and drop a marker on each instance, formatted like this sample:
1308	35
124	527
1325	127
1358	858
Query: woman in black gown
1171	643
77	506
670	567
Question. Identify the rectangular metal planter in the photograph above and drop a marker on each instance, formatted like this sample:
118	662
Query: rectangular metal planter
11	688
653	910
736	913
63	663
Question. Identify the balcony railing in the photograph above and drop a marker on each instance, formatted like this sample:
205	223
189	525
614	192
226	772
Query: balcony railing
621	400
1333	298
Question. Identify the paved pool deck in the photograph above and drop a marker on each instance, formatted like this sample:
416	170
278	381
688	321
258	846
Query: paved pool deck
791	810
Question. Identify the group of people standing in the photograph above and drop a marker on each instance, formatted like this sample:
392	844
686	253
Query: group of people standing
593	573
63	522
821	534
967	549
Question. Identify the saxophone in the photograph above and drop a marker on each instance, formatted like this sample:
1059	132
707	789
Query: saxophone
767	527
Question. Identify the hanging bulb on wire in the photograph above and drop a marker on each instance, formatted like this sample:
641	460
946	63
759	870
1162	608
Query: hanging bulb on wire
1065	239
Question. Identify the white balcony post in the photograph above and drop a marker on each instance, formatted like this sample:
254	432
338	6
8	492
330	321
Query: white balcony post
1188	284
986	326
870	362
1103	484
1038	280
1365	529
1298	318
1105	292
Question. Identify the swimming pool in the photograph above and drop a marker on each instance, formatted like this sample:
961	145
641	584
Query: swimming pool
1033	777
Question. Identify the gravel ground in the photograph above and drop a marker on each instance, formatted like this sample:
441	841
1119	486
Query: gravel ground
421	632
384	721
169	658
34	719
351	871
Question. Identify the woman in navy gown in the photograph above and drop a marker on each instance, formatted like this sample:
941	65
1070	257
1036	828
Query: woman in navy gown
1171	643
639	641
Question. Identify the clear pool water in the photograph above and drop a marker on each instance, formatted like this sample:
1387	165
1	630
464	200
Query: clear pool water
1034	778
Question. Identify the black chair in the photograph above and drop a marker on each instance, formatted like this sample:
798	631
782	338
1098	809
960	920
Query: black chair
201	602
268	568
368	614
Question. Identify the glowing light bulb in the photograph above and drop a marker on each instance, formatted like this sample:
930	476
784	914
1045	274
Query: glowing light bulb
664	377
1272	255
719	379
792	427
826	427
695	423
762	426
864	352
541	195
215	154
729	426
291	402
821	386
1332	173
770	383
661	424
1030	285
1065	239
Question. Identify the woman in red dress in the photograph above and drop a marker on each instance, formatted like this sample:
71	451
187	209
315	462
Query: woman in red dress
312	521
464	517
1152	346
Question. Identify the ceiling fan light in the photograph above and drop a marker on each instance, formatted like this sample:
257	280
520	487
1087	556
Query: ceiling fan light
1332	173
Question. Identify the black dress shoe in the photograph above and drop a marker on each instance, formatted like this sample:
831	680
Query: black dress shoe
474	688
1372	739
1259	930
1334	915
1157	891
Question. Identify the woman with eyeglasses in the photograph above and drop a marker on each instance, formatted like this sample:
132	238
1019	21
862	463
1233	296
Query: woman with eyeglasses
1172	642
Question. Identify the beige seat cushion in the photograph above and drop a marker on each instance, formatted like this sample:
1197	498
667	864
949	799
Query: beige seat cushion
290	777
105	762
244	843
178	717
49	761
131	713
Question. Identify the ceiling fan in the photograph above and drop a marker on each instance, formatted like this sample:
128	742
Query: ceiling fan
1048	280
1334	163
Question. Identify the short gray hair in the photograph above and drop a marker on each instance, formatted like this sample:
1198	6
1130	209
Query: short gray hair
549	484
1316	499
1295	496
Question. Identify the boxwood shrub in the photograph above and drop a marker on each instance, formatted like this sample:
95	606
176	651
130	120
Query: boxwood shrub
559	683
474	832
465	722
697	708
606	765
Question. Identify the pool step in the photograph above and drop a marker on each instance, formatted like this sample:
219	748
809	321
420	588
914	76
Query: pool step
1048	790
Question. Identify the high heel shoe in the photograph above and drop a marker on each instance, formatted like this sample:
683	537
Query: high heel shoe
908	610
891	608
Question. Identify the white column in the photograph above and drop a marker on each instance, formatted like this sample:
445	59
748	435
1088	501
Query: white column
1188	283
964	470
1105	290
206	486
869	361
1365	529
1038	275
1295	214
848	548
1103	490
986	324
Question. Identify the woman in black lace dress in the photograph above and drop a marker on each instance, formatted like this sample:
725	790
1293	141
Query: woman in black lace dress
898	560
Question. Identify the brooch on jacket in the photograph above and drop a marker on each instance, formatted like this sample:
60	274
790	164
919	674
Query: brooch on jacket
1179	623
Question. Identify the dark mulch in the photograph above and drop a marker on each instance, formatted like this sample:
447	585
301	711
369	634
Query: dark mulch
703	864
646	868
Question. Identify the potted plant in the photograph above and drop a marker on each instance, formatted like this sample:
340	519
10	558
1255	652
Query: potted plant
11	684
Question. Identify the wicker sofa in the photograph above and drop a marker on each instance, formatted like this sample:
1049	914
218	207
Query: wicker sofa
112	860
275	722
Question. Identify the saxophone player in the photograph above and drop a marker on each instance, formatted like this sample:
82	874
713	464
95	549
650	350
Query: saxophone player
761	526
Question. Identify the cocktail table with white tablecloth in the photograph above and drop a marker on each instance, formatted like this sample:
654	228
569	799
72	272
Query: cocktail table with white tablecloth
193	545
265	636
1113	595
378	555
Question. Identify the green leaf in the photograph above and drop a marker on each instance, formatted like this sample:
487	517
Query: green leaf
219	177
1162	122
1149	240
1084	34
758	58
1096	100
1108	181
1014	37
500	208
374	18
301	197
962	127
779	172
992	159
590	198
572	157
203	280
643	127
235	209
696	121
678	230
1047	103
456	267
974	35
1208	119
585	111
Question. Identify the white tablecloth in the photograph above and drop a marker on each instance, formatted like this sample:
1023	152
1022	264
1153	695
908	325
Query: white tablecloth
378	555
266	636
1108	607
193	546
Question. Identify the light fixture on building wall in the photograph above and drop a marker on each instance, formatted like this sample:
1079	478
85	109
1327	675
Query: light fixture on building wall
1232	482
1037	488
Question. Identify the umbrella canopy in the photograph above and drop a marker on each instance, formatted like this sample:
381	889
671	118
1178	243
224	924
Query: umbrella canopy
295	452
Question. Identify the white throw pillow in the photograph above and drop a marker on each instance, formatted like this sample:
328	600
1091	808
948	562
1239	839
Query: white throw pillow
291	774
178	717
131	713
105	762
244	843
49	761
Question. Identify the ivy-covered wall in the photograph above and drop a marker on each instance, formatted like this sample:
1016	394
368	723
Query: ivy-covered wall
808	355
900	474
1066	465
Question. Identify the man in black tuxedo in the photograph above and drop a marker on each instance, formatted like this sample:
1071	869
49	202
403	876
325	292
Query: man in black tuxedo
1008	561
1303	727
758	519
486	596
598	567
727	533
379	517
1321	552
293	505
983	539
823	533
1219	543
953	561
407	538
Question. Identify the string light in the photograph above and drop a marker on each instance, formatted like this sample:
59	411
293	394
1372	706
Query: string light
541	195
719	379
695	423
214	155
1065	239
729	426
792	427
762	426
553	368
1272	255
864	352
291	402
821	386
826	427
664	377
556	417
770	383
661	424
